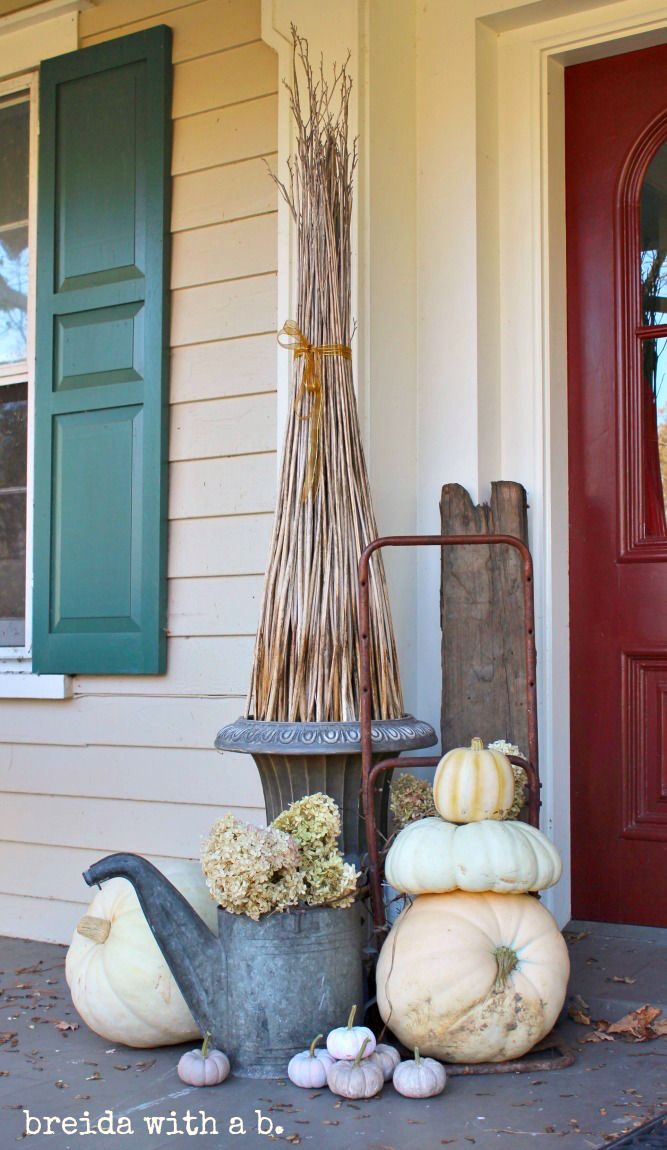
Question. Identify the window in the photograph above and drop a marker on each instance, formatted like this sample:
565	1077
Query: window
16	374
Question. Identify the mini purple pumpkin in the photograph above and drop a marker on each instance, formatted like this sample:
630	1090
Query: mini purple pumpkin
203	1067
309	1068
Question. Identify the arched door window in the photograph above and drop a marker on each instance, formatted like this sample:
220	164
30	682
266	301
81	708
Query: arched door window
642	366
653	336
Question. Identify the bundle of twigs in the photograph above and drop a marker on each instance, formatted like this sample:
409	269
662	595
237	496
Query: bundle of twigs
307	650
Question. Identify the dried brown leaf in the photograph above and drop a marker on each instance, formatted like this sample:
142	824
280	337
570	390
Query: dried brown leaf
63	1026
622	978
637	1025
6	1036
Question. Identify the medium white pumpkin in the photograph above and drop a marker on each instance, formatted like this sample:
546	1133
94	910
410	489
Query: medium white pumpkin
119	981
431	856
472	977
472	783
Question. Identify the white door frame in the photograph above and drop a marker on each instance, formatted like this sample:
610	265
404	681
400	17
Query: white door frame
533	337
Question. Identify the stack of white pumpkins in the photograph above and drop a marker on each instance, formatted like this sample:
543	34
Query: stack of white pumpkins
354	1065
474	969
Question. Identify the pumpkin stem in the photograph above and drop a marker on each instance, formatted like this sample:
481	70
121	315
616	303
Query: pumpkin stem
206	1043
314	1044
477	744
417	1058
507	961
94	928
360	1055
350	1021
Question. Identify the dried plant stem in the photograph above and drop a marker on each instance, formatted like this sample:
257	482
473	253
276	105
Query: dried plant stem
307	651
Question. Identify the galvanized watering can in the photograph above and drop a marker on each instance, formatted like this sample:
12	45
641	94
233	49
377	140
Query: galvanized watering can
263	989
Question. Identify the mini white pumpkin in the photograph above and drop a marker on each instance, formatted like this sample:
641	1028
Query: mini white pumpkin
309	1068
387	1058
431	856
203	1067
472	977
119	981
345	1042
472	783
358	1079
420	1077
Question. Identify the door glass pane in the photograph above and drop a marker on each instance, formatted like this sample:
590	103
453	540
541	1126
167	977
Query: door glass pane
13	456
654	408
653	222
14	145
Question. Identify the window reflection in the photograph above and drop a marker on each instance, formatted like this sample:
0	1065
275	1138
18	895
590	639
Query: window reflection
653	224
14	160
13	437
655	434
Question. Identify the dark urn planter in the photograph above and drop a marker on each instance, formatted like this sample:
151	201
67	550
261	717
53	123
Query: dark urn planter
297	759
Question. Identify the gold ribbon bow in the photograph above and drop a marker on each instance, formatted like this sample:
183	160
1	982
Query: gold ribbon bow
311	385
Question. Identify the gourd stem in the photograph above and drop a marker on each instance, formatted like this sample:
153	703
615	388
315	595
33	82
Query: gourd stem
507	961
350	1021
477	744
94	928
360	1055
417	1058
314	1044
206	1043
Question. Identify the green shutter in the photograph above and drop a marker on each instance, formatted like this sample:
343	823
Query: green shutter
102	358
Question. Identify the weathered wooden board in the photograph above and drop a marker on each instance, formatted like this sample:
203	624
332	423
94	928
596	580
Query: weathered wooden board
483	658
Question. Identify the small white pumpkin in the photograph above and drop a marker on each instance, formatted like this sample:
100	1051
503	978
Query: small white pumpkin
345	1042
359	1079
431	856
119	981
472	783
203	1067
309	1068
387	1058
472	977
420	1077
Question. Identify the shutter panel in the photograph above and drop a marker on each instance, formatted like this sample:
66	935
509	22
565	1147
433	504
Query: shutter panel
102	357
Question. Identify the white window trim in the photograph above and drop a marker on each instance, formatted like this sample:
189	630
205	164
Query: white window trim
17	680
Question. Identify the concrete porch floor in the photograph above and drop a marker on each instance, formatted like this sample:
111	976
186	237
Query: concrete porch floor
612	1087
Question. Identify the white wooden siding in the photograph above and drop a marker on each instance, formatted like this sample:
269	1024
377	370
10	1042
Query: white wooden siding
128	763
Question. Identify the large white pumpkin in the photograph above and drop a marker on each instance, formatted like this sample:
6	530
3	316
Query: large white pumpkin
472	783
119	981
472	977
431	856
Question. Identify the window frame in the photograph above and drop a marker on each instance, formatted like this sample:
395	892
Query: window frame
19	658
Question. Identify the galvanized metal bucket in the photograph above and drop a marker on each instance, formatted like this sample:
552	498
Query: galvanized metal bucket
290	976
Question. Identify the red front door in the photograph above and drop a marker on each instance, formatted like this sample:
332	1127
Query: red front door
616	165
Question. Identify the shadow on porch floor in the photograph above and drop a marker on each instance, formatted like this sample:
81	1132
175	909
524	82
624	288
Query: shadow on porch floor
612	1087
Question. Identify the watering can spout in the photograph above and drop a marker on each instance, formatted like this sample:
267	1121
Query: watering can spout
190	949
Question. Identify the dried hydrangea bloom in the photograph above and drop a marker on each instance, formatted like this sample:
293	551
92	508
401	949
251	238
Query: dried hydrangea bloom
411	799
251	870
314	823
520	777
